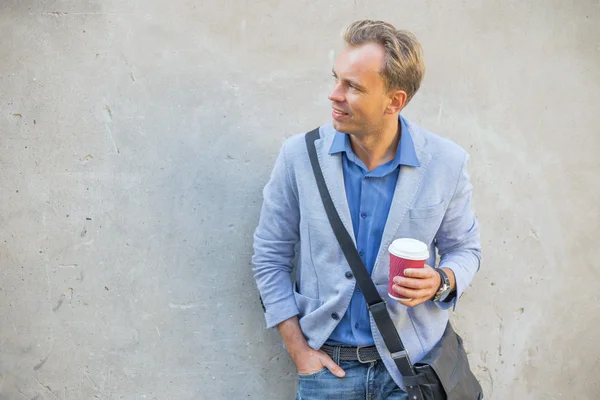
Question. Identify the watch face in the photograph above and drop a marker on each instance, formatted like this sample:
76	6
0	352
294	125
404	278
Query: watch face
442	293
445	292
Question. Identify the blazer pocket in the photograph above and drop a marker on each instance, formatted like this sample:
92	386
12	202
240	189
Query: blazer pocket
428	212
305	304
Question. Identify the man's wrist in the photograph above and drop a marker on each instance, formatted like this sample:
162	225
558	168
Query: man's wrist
294	340
297	350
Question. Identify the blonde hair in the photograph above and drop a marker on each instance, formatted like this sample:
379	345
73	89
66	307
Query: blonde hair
403	66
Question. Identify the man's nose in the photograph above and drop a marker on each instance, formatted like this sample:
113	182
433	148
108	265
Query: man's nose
336	94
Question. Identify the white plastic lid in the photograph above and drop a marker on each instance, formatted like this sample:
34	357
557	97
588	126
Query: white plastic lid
410	249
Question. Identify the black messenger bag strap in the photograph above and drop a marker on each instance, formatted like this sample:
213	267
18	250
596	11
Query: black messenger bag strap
375	303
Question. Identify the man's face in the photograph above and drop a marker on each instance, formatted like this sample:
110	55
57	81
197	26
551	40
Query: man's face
359	97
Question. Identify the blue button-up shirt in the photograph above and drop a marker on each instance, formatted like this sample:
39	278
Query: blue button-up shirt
369	197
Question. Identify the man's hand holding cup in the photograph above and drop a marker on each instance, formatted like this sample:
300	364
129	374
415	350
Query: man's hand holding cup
411	281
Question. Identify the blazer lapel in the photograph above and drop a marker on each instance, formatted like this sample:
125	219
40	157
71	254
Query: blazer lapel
333	172
409	180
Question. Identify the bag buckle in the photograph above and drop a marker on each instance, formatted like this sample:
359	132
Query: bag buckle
399	354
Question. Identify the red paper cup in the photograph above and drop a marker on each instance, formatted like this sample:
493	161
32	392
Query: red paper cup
405	253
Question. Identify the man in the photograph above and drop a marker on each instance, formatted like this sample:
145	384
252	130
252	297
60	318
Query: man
388	178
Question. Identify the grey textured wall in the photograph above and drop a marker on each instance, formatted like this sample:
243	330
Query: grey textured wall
136	137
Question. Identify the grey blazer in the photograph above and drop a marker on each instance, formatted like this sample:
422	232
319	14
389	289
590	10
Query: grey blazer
431	203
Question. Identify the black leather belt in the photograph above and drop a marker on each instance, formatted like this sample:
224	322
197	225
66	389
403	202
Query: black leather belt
363	354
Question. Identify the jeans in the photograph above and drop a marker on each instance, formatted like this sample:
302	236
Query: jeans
369	381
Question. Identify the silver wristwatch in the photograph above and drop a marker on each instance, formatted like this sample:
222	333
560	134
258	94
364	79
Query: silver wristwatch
445	287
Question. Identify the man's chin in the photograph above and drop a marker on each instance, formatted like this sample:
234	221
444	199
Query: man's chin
340	127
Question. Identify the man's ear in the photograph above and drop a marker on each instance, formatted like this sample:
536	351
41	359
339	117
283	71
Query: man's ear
397	101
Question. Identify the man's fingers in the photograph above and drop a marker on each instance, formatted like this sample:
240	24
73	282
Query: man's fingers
418	285
411	294
406	302
331	366
421	273
412	283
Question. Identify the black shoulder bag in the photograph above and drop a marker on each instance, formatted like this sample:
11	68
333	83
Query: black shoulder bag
444	373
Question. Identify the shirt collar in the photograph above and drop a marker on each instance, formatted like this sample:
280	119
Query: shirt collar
405	153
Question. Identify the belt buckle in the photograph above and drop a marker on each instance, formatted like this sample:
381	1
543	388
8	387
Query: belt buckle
358	355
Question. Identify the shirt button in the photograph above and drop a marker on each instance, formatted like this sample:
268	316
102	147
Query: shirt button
356	326
363	215
349	275
361	253
335	316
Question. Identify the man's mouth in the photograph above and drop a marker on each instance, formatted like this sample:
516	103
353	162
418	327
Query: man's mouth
337	113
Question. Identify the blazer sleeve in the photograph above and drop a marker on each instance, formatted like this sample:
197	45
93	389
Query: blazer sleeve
458	239
275	238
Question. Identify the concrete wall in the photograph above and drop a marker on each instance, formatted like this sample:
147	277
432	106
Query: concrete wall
136	137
